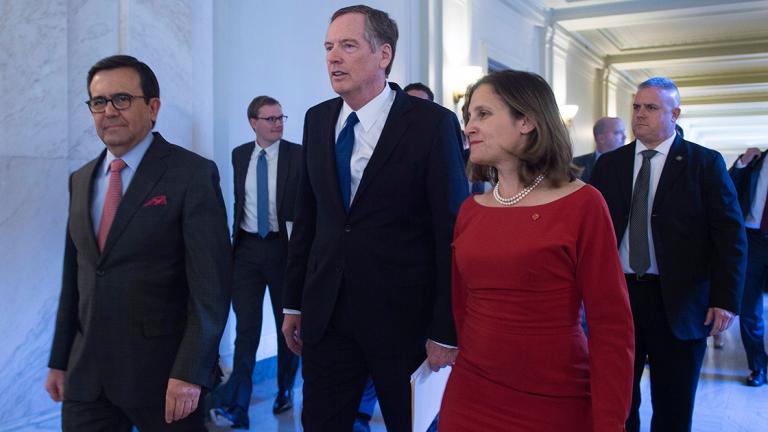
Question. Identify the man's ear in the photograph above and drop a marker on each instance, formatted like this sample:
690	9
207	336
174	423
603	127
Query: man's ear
386	56
154	108
675	113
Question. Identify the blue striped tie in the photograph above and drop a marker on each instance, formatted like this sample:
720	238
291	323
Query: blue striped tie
262	194
344	144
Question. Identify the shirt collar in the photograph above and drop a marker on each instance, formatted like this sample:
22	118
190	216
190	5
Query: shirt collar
271	149
662	148
371	112
132	158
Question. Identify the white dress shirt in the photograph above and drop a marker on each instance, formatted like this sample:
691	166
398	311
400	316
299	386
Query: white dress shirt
250	221
100	183
657	165
373	116
755	215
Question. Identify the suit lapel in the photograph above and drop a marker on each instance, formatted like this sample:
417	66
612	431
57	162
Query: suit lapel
283	168
82	185
625	175
329	153
150	170
394	128
242	160
754	176
677	159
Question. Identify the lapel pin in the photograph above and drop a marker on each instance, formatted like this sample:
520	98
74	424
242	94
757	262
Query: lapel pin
535	216
678	158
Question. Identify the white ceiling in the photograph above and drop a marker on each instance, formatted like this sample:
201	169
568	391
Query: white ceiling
716	51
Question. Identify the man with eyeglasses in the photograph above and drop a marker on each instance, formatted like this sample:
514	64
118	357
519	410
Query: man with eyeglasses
147	268
266	179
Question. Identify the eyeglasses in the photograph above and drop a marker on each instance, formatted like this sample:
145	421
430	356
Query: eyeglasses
275	119
121	101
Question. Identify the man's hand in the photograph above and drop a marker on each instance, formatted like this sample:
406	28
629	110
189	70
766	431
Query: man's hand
721	319
54	384
180	399
292	332
749	155
439	356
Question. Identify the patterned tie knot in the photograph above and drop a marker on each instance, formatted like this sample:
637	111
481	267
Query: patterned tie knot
352	120
263	153
648	154
117	165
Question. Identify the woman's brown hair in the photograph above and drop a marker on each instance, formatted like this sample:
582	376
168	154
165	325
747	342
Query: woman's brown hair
549	148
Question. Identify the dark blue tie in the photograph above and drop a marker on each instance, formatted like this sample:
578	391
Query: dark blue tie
344	145
262	194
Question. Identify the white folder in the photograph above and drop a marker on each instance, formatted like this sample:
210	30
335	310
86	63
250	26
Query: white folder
427	389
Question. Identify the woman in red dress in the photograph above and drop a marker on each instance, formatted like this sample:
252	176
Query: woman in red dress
527	255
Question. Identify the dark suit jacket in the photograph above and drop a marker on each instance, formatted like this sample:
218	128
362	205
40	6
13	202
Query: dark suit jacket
153	305
392	251
288	173
587	162
745	180
698	232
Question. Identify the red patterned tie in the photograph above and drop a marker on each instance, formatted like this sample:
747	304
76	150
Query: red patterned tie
111	200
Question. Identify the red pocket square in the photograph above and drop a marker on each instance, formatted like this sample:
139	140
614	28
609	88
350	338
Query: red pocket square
156	201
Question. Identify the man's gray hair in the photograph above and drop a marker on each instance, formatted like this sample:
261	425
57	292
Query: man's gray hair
663	83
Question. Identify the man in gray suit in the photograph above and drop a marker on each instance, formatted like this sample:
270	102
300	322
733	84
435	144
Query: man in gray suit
145	291
609	135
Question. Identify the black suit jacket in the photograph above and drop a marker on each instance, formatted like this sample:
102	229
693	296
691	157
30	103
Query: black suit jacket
697	227
587	162
153	305
745	180
392	251
288	172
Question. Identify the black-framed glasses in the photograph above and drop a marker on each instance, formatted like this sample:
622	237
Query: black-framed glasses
274	119
121	101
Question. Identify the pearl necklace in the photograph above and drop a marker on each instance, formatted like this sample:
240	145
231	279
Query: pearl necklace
508	202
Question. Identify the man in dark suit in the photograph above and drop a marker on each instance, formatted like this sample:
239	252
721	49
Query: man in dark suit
145	292
683	249
609	135
367	288
750	175
266	178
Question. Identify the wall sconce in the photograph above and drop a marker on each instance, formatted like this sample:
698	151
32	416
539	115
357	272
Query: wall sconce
460	78
568	112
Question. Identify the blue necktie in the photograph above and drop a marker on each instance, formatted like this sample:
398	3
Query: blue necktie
344	145
262	194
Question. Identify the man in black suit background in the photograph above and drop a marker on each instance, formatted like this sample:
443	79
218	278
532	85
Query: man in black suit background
682	245
145	291
266	173
368	276
609	135
750	175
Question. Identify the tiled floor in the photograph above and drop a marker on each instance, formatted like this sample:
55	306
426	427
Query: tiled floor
723	402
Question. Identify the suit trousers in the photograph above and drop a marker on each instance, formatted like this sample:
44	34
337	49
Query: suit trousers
102	415
337	368
258	263
674	364
751	322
